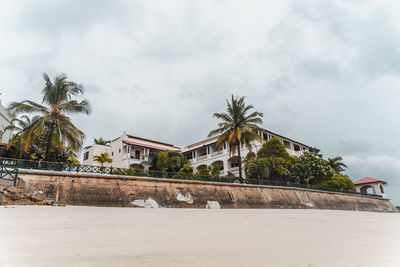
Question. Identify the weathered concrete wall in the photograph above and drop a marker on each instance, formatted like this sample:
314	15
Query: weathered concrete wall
123	191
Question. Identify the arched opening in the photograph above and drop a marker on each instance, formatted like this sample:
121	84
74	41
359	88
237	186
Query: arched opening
137	166
250	155
218	164
217	168
202	166
367	189
233	163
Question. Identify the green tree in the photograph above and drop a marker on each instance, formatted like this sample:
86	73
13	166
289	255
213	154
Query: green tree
170	161
204	172
273	148
51	120
215	169
18	134
102	158
239	125
338	182
272	162
187	169
310	168
257	168
101	141
337	164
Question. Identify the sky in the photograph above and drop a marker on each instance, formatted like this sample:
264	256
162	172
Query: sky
324	73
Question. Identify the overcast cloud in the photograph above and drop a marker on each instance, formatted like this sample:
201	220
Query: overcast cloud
325	73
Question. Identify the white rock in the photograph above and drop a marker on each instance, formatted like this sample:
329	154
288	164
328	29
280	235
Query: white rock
146	203
212	205
187	197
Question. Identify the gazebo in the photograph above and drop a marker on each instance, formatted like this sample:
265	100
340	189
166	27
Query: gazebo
373	184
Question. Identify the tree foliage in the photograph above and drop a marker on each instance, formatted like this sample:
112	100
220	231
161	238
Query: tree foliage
100	141
102	158
338	182
273	148
311	169
168	161
239	125
337	164
49	127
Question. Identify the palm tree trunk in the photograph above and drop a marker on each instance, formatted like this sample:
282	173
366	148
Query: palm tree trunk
50	136
240	162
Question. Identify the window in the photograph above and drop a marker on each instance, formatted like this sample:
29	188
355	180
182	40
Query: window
112	153
1	136
119	150
296	147
234	164
287	144
137	154
382	191
86	155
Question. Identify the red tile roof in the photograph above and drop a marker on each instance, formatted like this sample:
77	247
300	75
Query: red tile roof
150	146
368	180
202	142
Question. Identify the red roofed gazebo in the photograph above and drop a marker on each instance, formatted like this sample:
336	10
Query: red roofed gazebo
372	184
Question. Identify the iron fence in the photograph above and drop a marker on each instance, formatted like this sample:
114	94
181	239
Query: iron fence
65	167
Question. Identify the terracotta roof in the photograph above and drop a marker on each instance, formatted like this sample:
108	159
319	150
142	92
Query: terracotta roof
203	142
149	140
368	180
150	146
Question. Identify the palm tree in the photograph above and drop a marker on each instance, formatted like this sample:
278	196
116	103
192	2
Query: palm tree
102	158
101	141
238	127
51	120
17	128
337	164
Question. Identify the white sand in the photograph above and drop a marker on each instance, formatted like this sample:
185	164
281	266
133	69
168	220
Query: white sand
89	236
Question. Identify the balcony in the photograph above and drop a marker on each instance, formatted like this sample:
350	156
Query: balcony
202	157
215	153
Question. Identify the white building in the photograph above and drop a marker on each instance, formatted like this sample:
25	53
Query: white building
371	186
5	120
126	151
204	153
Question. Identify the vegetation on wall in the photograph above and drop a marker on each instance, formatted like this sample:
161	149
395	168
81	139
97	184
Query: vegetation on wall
274	163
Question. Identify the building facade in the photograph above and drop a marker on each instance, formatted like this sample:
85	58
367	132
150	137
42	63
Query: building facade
5	120
204	154
371	186
127	151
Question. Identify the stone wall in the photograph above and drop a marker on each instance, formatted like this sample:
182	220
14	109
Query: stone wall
123	191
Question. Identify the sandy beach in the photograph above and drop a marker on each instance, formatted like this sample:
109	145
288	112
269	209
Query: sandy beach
92	236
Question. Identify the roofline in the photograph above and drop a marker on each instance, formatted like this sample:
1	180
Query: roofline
209	139
149	140
150	146
377	181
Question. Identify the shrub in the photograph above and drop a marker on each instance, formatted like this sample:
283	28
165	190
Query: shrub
338	182
273	148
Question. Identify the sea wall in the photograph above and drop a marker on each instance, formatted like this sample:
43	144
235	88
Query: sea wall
124	191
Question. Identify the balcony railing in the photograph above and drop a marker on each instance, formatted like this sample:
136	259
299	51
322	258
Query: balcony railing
202	157
215	153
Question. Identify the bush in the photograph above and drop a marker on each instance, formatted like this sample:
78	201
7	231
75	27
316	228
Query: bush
311	169
273	148
338	182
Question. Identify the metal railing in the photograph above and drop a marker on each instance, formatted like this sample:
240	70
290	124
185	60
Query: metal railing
9	174
7	163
